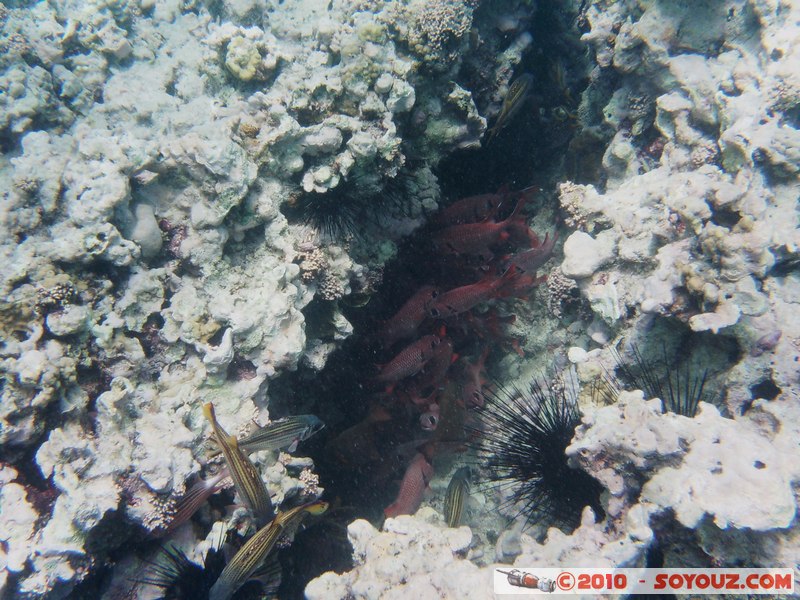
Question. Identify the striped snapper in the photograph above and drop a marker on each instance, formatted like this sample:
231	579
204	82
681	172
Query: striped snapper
246	480
283	433
515	97
256	550
456	496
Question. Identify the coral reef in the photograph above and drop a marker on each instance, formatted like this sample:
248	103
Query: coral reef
151	150
196	197
411	556
684	236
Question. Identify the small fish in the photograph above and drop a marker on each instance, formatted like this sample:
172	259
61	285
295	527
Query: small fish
282	434
415	481
766	342
256	550
515	97
246	480
462	299
472	209
410	360
528	261
562	114
359	444
456	496
194	498
476	238
436	368
518	284
406	321
472	381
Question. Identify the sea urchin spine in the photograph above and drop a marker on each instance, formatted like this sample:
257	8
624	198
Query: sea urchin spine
523	443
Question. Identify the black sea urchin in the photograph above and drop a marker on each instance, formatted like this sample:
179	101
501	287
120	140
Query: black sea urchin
179	578
334	214
524	438
678	385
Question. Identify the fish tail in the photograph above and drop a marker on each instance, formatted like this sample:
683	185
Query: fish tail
209	413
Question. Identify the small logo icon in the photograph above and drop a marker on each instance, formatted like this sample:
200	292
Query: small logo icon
566	581
523	579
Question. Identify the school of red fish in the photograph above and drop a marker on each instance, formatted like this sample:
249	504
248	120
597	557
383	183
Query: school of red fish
441	337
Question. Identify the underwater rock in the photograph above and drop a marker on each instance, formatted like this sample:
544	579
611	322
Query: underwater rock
413	555
689	465
584	255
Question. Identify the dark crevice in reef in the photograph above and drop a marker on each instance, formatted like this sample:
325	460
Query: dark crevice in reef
766	389
675	353
360	457
530	148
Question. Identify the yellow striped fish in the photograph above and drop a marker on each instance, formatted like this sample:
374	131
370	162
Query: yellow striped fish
456	496
246	480
256	550
515	98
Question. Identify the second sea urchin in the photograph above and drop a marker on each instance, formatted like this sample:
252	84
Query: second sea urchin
523	440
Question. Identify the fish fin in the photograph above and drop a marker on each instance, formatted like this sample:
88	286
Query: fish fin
293	445
516	214
209	413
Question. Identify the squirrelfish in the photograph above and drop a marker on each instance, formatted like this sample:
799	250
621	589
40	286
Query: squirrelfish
246	480
528	261
415	481
456	497
476	238
282	434
406	321
255	550
462	299
410	359
515	98
429	420
472	381
437	366
472	209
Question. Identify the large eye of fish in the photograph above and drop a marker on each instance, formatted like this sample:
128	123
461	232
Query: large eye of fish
434	312
429	421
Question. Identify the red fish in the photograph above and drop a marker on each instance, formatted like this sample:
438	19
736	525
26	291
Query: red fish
473	381
472	209
415	481
461	299
413	393
430	419
476	238
528	261
406	321
518	285
410	360
436	368
489	325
